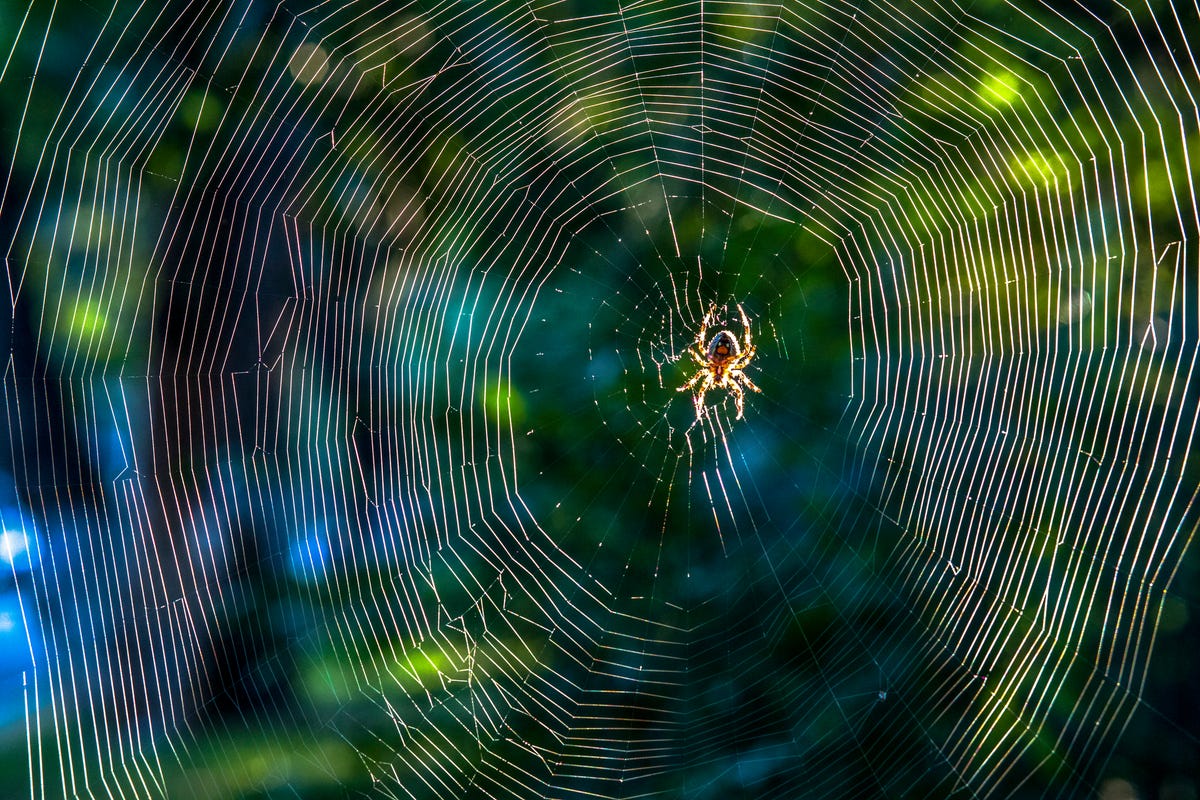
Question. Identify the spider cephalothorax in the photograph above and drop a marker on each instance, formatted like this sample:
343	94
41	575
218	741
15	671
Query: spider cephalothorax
721	360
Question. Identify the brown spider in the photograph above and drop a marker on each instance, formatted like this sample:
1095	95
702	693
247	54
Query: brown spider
722	361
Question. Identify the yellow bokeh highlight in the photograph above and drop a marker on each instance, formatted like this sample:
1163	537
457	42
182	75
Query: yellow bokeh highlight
582	116
85	322
1039	169
502	402
309	64
200	111
1001	89
424	667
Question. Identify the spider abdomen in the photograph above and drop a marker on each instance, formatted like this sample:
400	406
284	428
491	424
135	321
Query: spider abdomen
723	347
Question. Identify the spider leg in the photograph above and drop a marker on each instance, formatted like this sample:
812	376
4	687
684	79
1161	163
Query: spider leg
739	397
704	387
746	327
695	379
745	380
744	358
698	358
702	337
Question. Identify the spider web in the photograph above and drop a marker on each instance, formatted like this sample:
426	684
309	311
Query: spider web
346	455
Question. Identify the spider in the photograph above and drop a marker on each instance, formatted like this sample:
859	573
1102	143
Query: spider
722	361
